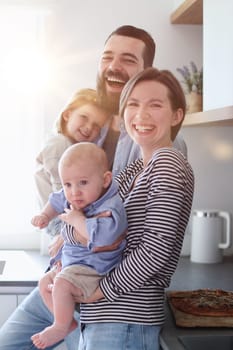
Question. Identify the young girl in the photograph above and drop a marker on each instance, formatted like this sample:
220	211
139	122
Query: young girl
81	120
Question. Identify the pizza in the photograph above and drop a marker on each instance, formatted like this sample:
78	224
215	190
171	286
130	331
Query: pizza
203	302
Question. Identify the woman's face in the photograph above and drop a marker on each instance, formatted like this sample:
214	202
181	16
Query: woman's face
149	116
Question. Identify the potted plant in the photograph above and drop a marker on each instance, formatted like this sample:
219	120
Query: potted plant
193	81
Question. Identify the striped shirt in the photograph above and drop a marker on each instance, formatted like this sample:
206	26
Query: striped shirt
158	209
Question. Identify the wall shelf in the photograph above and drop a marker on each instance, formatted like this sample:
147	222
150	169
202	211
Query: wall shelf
189	12
220	116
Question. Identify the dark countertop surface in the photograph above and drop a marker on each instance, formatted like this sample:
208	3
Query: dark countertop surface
189	276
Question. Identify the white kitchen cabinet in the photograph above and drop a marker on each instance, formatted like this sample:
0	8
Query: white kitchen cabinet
25	280
8	304
20	298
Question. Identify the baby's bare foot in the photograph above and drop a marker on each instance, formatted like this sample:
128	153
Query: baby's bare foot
51	335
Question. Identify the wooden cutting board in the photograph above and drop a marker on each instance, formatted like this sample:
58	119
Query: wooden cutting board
183	319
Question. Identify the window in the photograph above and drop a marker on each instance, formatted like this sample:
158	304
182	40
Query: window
23	73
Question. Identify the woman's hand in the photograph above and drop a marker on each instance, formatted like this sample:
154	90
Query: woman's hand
94	297
104	214
110	247
55	246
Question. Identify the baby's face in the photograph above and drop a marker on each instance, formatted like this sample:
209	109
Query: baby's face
83	183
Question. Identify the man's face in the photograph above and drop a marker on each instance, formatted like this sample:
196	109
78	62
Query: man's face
121	59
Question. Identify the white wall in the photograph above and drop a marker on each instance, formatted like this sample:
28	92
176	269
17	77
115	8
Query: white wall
211	147
76	31
210	152
218	54
177	3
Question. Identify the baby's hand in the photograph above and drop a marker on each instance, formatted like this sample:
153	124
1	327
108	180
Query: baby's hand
71	216
40	221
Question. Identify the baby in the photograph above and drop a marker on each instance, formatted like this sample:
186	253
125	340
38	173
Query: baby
89	191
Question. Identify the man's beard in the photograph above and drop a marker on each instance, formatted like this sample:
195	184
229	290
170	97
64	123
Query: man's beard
110	102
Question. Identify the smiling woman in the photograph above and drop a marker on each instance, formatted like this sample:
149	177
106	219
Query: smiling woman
23	72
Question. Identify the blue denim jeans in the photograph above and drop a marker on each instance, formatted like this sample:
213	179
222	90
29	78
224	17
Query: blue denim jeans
119	336
31	317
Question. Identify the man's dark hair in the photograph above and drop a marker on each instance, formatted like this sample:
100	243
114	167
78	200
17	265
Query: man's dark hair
138	33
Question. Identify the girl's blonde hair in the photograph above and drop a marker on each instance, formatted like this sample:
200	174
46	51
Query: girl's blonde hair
80	98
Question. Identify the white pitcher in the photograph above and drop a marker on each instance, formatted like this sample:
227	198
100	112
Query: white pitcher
211	234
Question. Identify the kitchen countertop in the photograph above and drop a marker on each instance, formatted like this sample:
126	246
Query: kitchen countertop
20	270
189	276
